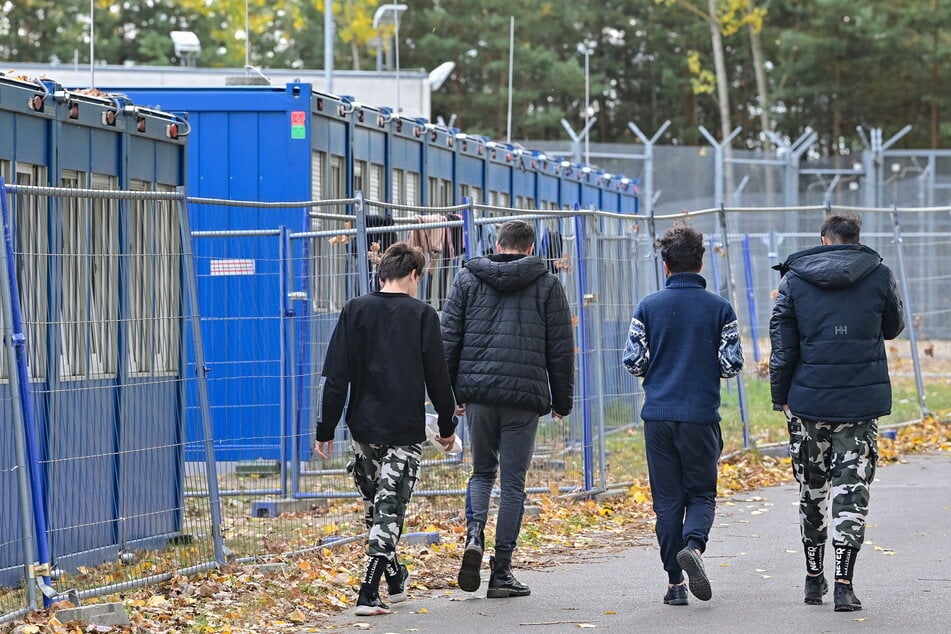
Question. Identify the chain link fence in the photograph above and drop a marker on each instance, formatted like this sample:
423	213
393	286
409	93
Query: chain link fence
172	381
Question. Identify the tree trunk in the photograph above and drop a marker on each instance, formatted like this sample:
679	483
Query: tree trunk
723	97
762	97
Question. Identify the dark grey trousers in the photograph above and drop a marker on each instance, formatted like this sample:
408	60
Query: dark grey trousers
502	440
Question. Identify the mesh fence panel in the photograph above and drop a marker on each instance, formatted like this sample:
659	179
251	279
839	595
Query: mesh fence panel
132	481
12	594
103	291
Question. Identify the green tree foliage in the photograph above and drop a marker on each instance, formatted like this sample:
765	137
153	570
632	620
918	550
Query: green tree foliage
830	65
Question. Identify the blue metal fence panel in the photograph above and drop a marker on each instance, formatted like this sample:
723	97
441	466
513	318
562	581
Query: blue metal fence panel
95	428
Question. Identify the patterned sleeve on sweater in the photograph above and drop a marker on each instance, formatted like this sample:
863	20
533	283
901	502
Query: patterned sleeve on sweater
731	353
637	354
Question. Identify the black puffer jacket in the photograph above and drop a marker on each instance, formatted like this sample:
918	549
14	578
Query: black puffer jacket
507	335
836	306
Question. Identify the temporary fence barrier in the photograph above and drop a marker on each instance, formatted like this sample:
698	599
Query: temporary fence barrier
179	447
98	294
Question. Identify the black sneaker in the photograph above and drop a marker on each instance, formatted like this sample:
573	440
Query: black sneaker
370	605
692	565
396	585
816	586
676	595
845	599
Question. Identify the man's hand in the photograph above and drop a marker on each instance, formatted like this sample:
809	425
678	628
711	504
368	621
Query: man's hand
324	448
446	443
556	415
460	409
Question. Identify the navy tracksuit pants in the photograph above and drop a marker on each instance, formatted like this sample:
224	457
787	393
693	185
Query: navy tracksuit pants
682	463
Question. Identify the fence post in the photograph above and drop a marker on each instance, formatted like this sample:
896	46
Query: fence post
288	454
583	351
909	318
731	293
468	228
751	296
363	269
190	279
652	230
595	297
24	432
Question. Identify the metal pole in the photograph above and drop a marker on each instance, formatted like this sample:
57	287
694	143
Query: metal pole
363	269
741	392
909	317
92	43
190	279
594	300
587	105
508	128
652	230
583	354
396	47
329	38
751	296
247	36
24	446
291	314
284	307
468	228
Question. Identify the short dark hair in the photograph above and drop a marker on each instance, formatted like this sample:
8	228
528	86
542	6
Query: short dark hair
399	260
517	235
682	248
841	229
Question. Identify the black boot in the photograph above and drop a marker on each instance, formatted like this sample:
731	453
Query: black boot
369	603
469	577
502	583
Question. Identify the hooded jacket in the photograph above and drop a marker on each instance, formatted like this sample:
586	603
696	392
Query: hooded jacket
507	335
835	307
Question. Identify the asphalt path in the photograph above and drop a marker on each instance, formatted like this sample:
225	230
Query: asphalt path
756	567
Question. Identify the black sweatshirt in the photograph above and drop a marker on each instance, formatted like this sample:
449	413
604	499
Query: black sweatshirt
388	349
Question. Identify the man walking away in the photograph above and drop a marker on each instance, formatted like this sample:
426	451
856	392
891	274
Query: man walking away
837	303
683	340
508	341
386	348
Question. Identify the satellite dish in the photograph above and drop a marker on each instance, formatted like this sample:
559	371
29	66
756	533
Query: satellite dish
440	74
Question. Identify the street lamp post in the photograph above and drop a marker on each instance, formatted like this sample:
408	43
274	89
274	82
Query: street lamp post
586	50
385	15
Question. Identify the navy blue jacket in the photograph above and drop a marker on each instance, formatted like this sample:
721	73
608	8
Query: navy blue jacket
682	340
835	307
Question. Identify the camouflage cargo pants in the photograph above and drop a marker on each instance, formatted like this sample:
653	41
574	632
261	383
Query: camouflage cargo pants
833	461
385	475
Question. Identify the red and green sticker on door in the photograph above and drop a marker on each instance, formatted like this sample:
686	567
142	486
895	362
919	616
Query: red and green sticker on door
298	124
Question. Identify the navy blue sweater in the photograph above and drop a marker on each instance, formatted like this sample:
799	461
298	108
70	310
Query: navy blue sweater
682	340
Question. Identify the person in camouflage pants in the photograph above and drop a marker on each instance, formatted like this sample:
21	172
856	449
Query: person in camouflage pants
385	475
834	461
835	307
384	357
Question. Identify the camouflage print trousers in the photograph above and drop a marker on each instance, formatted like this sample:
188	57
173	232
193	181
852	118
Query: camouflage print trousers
833	461
385	475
